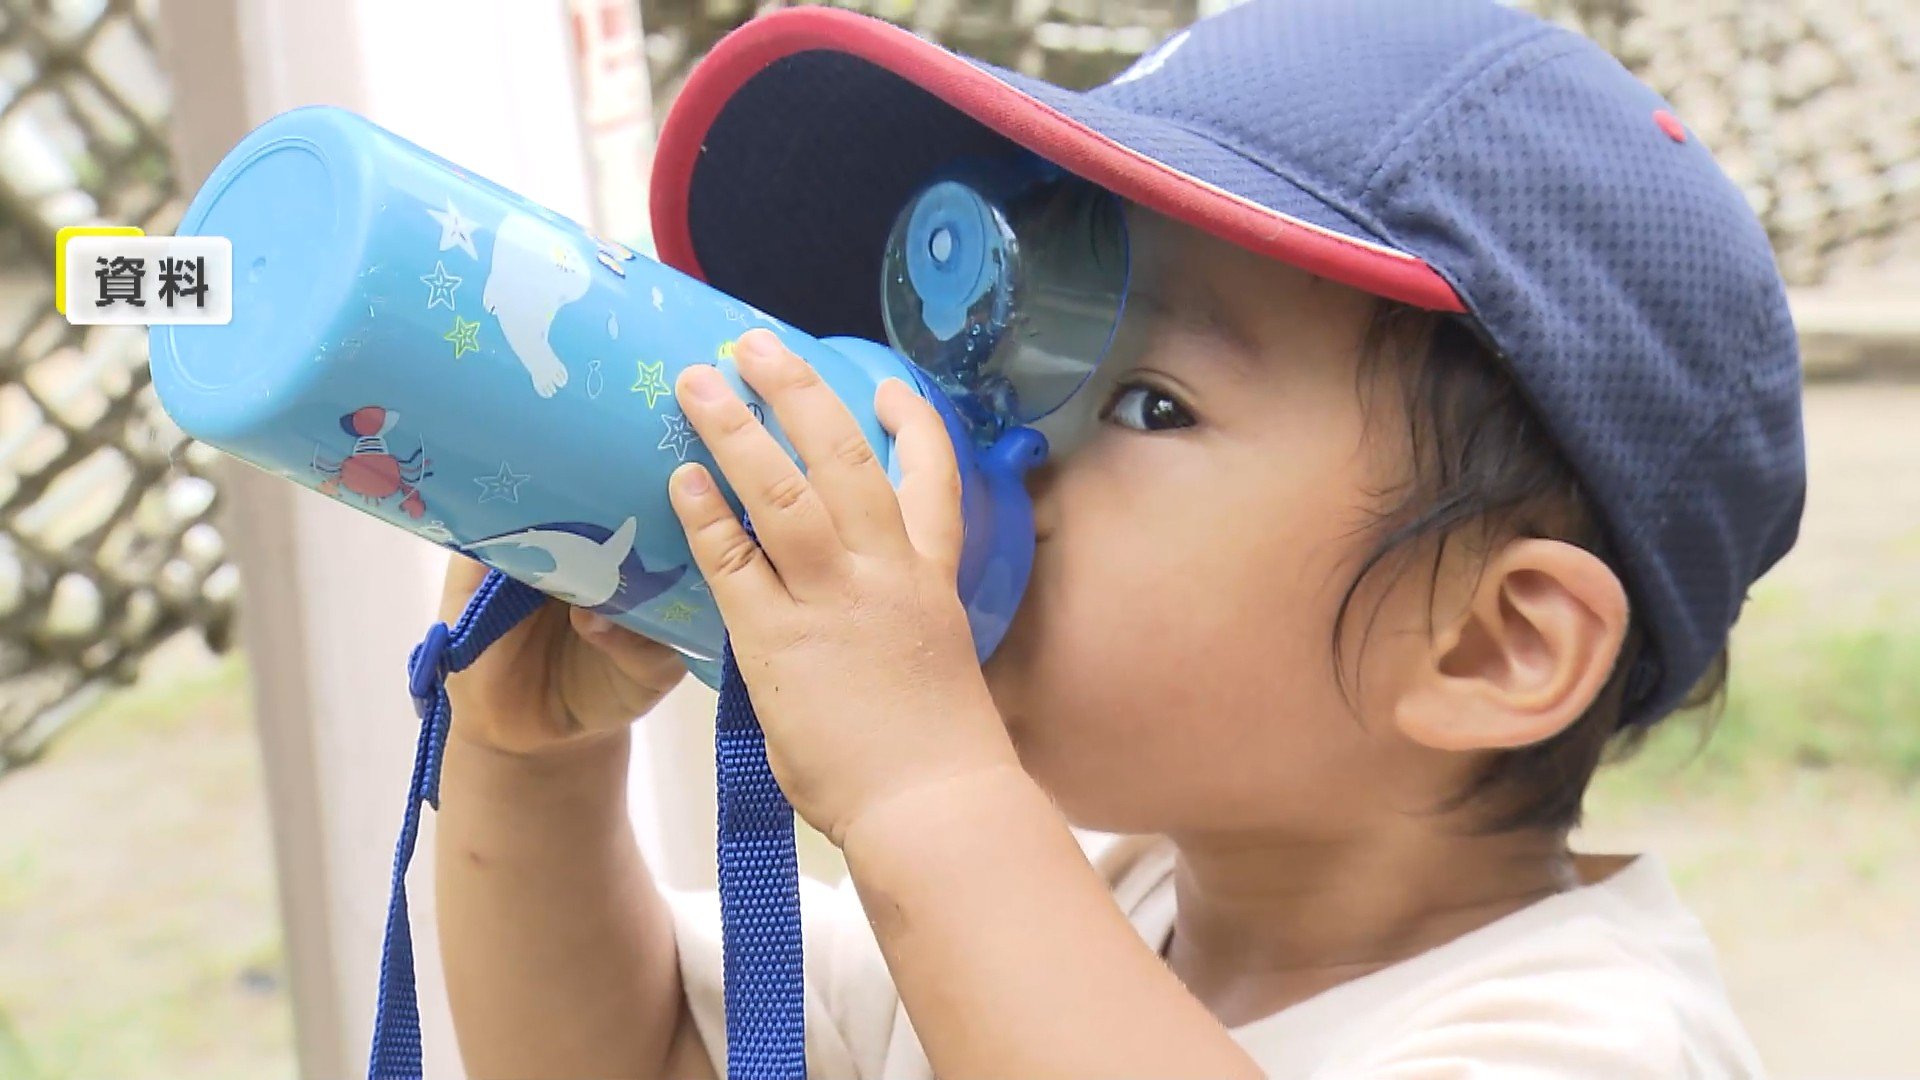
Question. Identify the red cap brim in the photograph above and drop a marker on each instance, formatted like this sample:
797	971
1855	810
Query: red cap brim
1025	120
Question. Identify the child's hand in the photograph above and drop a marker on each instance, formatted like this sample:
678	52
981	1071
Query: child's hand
561	678
845	619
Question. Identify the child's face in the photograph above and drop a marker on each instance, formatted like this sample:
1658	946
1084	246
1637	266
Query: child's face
1172	666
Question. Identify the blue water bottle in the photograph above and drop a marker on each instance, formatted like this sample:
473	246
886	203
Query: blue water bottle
439	352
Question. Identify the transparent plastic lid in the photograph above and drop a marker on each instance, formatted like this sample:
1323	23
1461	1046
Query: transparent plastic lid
1006	283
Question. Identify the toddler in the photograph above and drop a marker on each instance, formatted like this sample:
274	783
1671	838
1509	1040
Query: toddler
1460	410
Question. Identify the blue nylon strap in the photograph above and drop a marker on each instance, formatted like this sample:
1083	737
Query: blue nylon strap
759	873
499	605
759	898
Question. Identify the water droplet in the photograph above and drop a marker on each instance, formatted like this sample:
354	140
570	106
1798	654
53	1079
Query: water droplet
254	269
613	325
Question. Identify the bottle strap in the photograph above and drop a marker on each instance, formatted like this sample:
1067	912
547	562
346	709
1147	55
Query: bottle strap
499	605
759	873
759	898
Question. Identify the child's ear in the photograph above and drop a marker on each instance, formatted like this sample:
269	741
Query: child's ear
1534	644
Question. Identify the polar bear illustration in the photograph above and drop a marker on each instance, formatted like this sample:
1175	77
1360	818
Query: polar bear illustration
535	273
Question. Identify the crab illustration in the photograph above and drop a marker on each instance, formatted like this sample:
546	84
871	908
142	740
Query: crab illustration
372	471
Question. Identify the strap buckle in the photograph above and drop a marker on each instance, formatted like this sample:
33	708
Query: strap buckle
427	669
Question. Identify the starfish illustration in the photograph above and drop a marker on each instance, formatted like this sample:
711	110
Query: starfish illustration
440	285
456	230
503	485
679	611
465	336
680	435
652	381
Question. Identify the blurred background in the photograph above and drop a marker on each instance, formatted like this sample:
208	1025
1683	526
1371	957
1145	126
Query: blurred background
204	732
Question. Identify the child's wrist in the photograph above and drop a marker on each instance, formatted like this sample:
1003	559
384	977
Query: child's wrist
595	763
557	750
912	819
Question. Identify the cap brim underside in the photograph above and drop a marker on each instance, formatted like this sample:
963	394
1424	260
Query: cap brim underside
800	135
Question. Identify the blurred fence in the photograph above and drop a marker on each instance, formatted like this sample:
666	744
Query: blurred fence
107	541
106	545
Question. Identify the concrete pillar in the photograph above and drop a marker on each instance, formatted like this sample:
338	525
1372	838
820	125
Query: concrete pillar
333	598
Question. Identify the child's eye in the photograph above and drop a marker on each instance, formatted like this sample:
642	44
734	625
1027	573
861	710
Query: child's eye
1147	408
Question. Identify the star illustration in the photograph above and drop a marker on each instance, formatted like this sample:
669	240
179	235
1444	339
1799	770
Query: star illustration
465	336
680	435
679	611
564	257
652	381
503	485
456	230
440	285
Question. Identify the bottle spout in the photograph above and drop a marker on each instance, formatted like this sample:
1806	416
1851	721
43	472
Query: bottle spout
1017	451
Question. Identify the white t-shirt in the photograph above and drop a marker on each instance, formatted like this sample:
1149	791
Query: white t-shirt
1611	981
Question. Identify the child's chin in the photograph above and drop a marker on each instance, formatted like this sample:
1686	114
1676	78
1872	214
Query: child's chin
1086	802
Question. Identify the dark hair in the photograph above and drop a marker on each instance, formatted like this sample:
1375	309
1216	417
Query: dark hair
1483	461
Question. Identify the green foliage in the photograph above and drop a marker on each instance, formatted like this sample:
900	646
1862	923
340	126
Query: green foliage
1830	698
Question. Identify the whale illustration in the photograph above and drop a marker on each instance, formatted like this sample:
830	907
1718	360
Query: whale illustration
591	567
535	273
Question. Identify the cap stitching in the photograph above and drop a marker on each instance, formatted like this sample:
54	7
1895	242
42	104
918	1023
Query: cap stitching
1690	463
1504	82
1253	157
1497	49
1636	536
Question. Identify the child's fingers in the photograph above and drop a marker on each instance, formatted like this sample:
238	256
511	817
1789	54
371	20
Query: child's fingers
464	576
929	476
840	463
736	569
648	663
788	515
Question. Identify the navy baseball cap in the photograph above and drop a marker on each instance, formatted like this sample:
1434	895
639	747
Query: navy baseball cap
1456	155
